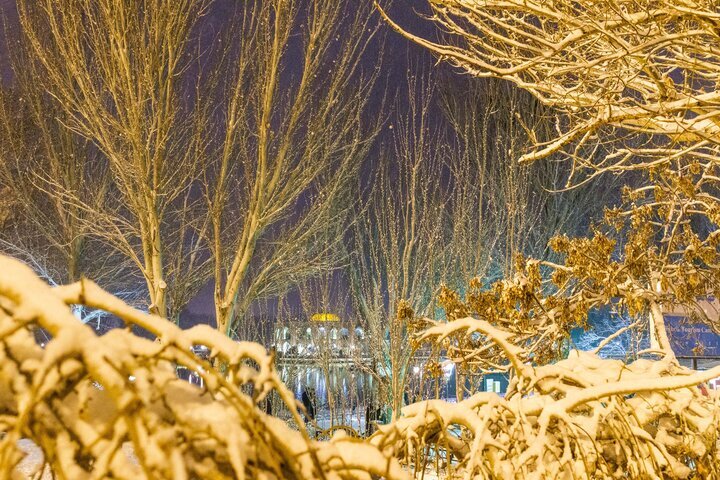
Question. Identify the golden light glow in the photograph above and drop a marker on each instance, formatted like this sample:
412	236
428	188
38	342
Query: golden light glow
325	317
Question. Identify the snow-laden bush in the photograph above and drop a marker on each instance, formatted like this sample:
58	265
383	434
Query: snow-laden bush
583	417
83	397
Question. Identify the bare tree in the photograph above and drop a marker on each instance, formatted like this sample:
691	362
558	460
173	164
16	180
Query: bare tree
614	334
271	146
42	162
326	297
450	206
501	208
290	142
115	69
399	253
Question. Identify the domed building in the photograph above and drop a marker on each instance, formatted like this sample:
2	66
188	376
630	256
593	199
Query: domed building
322	334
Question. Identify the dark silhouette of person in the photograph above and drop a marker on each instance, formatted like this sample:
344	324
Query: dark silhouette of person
372	417
308	404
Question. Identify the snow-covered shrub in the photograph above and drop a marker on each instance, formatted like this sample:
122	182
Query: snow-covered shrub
583	417
573	414
85	399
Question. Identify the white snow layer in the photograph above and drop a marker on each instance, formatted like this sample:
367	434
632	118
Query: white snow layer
89	407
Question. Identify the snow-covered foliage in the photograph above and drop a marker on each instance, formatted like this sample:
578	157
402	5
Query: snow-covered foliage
582	417
84	400
83	397
574	415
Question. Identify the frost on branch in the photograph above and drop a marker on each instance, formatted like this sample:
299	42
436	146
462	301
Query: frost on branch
582	417
83	397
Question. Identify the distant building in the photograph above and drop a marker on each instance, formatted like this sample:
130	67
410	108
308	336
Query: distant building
322	333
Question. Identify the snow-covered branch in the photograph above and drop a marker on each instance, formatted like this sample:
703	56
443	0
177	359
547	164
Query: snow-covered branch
83	397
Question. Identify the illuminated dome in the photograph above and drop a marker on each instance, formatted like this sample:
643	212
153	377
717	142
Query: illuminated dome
325	317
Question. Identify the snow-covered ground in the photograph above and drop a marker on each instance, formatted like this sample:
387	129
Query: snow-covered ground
31	464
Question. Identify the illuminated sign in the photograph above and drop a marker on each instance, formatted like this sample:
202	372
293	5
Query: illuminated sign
691	339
